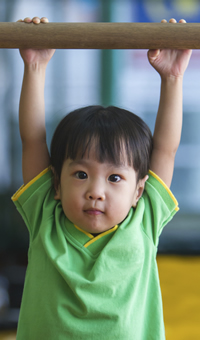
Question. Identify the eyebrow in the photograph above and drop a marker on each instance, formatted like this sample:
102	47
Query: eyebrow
77	162
85	162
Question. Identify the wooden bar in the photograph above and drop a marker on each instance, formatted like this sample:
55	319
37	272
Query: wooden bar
100	35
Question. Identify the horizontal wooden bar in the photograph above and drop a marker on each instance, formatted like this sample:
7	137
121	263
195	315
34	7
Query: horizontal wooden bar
100	35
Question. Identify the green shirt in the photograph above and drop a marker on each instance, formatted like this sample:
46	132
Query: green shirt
83	287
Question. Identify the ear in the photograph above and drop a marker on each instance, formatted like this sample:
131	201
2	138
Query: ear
139	190
56	183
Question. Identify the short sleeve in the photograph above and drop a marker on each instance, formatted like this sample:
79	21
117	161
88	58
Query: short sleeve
159	206
35	201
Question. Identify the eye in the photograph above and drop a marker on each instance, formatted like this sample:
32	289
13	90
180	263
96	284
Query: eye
114	178
81	175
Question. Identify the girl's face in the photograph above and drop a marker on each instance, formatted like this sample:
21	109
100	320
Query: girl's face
97	196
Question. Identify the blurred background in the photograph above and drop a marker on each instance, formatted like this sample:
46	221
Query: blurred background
122	78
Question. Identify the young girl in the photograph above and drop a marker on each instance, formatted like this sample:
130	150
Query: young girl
95	211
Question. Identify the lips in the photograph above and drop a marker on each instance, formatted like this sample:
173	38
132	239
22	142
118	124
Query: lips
93	211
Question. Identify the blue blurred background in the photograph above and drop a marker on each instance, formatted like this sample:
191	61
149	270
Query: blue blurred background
82	77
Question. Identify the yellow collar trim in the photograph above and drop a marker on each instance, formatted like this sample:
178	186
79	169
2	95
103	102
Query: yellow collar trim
100	235
95	238
84	232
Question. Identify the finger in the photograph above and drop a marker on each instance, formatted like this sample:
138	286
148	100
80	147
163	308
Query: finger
44	20
172	21
182	21
28	20
36	20
153	54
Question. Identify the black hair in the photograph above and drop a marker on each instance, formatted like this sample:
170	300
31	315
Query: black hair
110	130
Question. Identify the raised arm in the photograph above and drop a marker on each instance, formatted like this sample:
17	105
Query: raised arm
35	155
171	65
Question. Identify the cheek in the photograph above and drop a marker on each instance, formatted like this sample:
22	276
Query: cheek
124	197
119	207
71	203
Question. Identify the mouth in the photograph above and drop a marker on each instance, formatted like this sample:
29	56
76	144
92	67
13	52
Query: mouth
93	211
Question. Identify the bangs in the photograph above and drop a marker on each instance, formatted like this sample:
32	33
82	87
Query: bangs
103	143
115	135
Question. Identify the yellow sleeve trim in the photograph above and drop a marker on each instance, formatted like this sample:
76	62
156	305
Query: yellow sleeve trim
166	188
100	236
25	187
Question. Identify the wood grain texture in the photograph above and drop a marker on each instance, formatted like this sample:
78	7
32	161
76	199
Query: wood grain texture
100	35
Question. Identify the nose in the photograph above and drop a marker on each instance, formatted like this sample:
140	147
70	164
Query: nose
95	192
